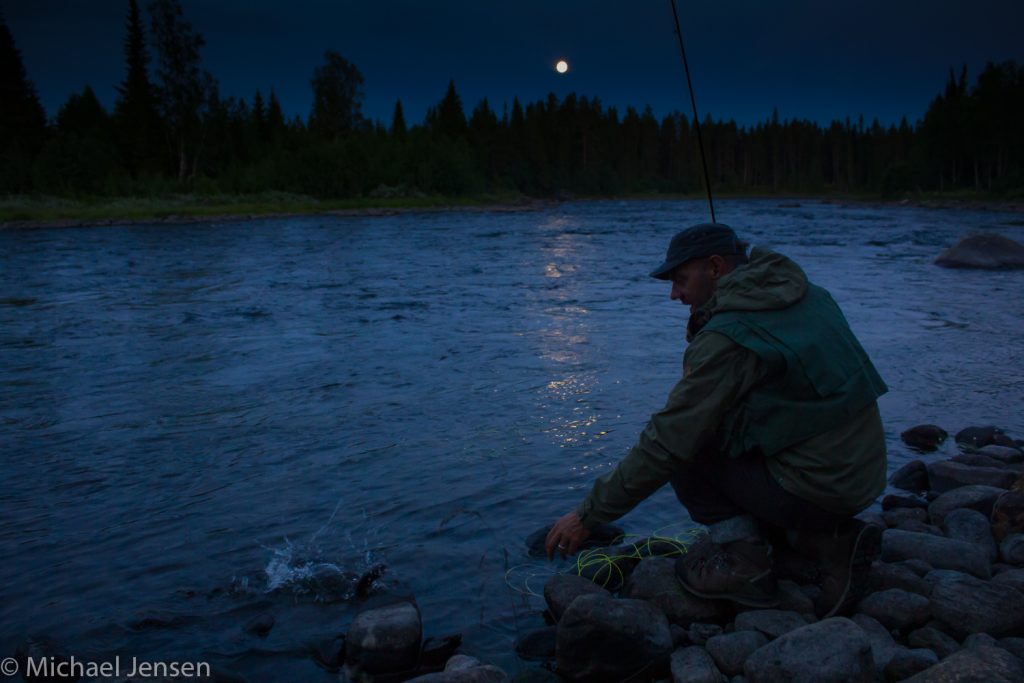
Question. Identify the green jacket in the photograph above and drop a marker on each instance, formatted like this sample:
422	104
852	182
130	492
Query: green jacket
840	465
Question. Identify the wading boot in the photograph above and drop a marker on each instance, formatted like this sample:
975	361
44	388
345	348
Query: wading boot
740	571
846	556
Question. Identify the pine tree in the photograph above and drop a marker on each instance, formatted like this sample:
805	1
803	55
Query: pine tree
275	118
451	121
22	119
135	113
398	127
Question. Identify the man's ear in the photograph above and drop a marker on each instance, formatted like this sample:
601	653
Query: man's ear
718	265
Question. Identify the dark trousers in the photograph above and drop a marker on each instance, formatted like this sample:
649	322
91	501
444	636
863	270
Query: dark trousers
715	488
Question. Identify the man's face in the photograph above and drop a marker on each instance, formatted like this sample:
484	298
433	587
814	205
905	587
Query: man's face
694	281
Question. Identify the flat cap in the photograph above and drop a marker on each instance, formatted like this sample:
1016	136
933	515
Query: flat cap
698	241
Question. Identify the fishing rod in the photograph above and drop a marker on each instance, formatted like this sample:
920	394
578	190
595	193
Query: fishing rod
696	118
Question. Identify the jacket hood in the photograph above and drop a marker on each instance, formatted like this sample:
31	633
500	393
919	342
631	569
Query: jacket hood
768	281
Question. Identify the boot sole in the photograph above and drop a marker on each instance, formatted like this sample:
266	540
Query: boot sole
866	549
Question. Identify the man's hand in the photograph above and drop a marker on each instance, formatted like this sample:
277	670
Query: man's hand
566	535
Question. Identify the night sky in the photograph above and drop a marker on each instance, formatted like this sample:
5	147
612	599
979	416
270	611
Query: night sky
817	60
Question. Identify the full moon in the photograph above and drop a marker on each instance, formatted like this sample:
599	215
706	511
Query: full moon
562	66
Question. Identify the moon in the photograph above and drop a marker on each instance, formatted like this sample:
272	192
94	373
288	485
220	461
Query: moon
562	66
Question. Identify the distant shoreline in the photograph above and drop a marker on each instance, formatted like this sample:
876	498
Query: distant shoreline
32	213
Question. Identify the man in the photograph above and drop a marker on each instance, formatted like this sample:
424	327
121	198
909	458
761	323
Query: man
774	427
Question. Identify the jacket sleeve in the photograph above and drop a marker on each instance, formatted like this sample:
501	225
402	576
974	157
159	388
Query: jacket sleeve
716	374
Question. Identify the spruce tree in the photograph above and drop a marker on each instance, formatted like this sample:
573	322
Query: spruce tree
135	113
398	127
22	119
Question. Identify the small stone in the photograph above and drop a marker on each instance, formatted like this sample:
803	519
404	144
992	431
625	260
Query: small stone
694	665
946	475
538	645
771	622
894	501
831	651
700	633
896	608
980	640
971	526
933	639
654	580
943	553
905	663
385	639
600	638
976	497
911	477
989	664
925	438
884	576
966	605
1011	550
731	650
561	589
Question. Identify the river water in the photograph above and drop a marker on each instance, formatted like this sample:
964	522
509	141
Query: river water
203	424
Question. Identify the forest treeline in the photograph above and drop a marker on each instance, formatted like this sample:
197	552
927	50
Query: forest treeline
171	131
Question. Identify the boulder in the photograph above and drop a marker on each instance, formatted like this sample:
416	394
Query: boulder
916	565
977	437
385	639
940	552
905	663
561	589
964	605
911	477
1008	514
976	497
1014	646
984	664
1011	577
971	526
1012	549
699	634
538	645
834	650
607	567
771	622
1005	454
694	665
883	645
731	650
893	501
924	438
987	251
946	475
654	580
604	639
980	640
978	460
884	576
897	609
933	639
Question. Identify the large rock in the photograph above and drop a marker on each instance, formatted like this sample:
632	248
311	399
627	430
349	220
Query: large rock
561	589
1012	549
940	552
1011	577
883	645
1008	514
946	475
1005	454
604	639
978	437
897	609
978	460
771	622
835	650
385	639
933	639
731	650
988	251
976	497
971	526
924	438
654	580
607	567
694	665
964	605
905	663
911	477
981	665
884	576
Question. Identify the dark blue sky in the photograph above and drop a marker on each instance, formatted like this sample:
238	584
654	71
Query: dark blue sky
818	60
